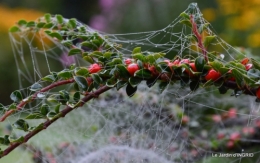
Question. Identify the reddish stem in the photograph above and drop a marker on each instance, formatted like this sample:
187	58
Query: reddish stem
46	124
34	96
199	37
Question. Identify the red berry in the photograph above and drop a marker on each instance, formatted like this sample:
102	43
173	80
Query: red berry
230	144
176	62
245	61
216	118
248	130
132	68
193	67
153	70
213	75
258	93
220	136
248	66
235	136
185	61
128	61
167	61
185	119
94	68
232	113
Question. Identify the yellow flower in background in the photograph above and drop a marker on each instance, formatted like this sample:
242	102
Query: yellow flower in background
9	16
209	14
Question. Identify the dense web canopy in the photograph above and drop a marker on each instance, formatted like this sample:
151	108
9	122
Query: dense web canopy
159	124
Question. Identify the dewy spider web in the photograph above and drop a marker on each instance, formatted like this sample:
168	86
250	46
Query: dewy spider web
175	126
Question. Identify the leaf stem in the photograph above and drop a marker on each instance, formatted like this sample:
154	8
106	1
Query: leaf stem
199	37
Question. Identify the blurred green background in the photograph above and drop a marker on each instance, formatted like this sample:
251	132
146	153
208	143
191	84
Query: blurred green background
236	21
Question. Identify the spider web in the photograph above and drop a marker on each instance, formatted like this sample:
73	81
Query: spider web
177	125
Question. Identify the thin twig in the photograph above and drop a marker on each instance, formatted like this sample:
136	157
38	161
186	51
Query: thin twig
46	124
34	96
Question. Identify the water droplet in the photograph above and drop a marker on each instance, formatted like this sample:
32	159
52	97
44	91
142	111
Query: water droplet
40	95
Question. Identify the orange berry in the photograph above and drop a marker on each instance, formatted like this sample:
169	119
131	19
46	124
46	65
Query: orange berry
213	75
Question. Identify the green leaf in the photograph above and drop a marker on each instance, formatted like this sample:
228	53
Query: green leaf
238	76
64	96
40	24
31	24
22	22
57	108
51	114
47	18
35	116
150	82
21	125
45	109
14	29
76	96
216	65
186	22
74	52
59	19
82	71
136	50
48	25
5	140
121	84
185	15
89	59
130	91
53	98
255	63
194	85
139	56
97	53
82	82
72	23
36	87
133	81
12	107
56	35
16	140
222	89
162	86
122	71
111	82
223	70
97	79
107	55
143	74
49	78
16	96
208	40
65	74
140	64
199	63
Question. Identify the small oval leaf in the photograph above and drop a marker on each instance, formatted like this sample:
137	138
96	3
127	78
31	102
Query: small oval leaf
130	91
